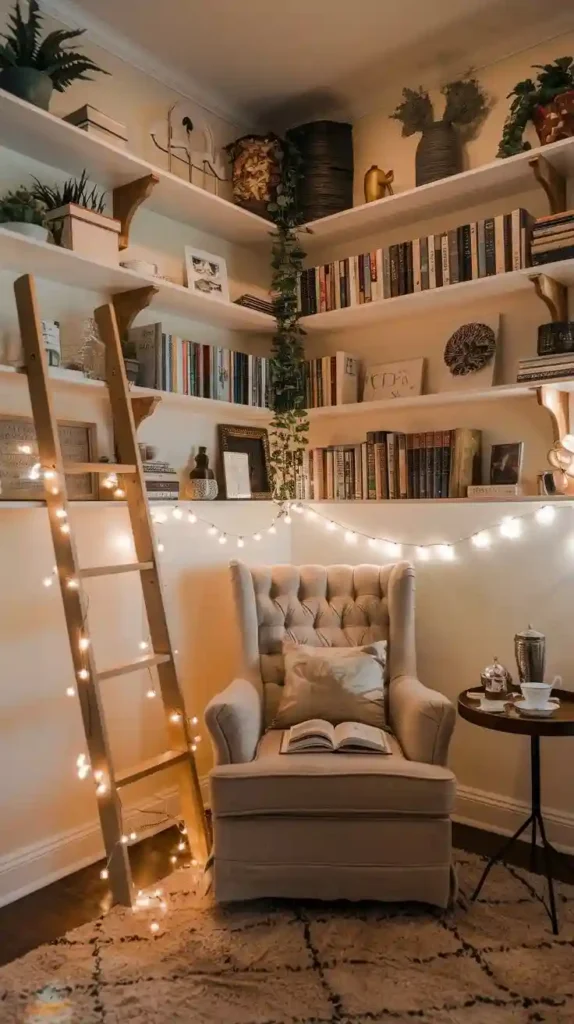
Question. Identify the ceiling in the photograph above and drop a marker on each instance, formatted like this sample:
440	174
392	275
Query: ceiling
270	63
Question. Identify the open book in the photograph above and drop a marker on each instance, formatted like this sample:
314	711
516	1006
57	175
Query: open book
347	738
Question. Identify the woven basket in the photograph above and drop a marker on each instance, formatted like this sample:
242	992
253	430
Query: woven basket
439	153
326	185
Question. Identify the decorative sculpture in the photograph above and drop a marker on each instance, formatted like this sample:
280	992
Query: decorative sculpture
378	183
211	167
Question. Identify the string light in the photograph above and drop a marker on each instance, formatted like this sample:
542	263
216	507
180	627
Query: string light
287	519
83	674
73	584
143	645
256	536
159	517
191	518
332	526
25	449
240	542
50	474
481	539
47	581
110	481
177	513
104	873
160	547
154	927
151	693
84	643
213	531
61	513
446	552
423	554
222	539
392	549
119	493
545	515
70	692
350	537
65	528
175	717
271	530
510	527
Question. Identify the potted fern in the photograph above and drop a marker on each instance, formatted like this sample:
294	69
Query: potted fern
547	101
21	212
75	214
440	150
31	69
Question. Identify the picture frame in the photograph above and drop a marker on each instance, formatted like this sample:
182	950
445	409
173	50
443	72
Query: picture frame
236	473
78	441
506	462
400	379
254	442
206	274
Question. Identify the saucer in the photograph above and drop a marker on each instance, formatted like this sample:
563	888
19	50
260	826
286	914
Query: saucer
496	706
544	712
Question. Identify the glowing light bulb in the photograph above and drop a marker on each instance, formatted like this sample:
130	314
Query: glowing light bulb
191	518
372	542
173	859
50	474
181	846
197	739
194	720
287	520
223	539
256	536
545	515
83	674
101	789
143	645
481	539
119	493
65	528
193	748
72	584
110	481
177	513
133	836
124	840
350	537
159	517
213	531
392	549
331	526
154	927
175	717
151	693
422	553
98	776
61	513
47	581
81	759
446	552
84	643
194	862
160	547
70	692
104	873
311	514
240	542
25	449
510	527
34	473
271	530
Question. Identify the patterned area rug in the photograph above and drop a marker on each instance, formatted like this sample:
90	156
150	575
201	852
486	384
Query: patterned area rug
282	963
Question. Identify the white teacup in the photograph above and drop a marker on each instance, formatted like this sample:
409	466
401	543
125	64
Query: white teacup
536	694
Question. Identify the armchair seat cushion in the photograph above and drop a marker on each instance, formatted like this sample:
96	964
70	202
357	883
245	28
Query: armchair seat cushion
340	785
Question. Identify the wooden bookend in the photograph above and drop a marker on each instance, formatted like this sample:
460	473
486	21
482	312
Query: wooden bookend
127	305
127	198
554	295
553	183
144	406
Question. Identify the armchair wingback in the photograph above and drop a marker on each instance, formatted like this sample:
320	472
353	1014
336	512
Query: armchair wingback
324	825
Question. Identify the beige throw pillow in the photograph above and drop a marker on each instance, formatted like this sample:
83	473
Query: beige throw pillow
339	684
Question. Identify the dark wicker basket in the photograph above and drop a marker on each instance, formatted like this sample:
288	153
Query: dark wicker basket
555	338
439	153
326	149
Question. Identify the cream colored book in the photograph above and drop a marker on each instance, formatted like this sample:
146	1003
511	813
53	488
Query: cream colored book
318	736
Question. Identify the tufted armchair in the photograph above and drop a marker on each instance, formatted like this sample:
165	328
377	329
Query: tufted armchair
352	826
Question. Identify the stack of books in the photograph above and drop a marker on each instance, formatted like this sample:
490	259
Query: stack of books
254	302
546	367
553	238
481	249
161	481
169	363
331	380
389	465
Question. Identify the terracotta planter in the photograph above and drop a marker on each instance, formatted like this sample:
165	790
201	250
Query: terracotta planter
90	234
556	120
256	171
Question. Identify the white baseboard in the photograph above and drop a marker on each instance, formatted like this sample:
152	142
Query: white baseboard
34	866
502	814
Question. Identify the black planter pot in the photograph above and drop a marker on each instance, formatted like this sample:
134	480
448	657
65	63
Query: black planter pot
555	338
28	84
439	153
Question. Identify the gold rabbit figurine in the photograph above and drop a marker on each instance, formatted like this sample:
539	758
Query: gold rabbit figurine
378	183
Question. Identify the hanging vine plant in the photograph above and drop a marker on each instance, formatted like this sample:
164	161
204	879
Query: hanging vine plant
290	424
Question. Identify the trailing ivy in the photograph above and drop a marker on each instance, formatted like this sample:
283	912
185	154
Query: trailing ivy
290	424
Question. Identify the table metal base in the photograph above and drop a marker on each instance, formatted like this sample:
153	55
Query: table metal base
537	822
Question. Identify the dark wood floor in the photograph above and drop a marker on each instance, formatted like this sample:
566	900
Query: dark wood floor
83	896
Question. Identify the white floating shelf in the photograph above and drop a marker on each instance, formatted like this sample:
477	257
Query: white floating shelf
47	138
499	391
480	290
62	378
22	255
542	499
493	180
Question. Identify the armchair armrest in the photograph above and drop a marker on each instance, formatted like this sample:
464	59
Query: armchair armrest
422	719
234	719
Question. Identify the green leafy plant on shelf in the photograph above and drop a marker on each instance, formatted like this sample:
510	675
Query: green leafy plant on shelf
529	100
30	67
290	424
21	207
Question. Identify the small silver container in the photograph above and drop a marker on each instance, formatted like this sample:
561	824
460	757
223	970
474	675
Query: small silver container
530	652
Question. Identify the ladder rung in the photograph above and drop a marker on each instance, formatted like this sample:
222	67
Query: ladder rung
148	661
77	468
152	765
112	570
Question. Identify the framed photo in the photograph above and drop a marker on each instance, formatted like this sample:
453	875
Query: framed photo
206	274
506	463
403	379
78	442
253	442
236	473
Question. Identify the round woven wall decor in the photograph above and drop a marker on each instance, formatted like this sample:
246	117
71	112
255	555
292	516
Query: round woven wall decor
469	349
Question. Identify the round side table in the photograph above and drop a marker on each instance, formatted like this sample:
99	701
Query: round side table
561	723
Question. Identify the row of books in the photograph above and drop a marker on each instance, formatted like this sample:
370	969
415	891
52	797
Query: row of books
553	238
436	464
161	481
543	368
170	363
481	249
331	380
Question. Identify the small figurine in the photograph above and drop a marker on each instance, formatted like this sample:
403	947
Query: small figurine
378	183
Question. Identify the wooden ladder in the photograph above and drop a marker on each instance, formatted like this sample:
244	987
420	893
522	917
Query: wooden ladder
71	578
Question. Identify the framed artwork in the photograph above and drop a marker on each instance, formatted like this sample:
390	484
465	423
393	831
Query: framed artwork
402	379
206	274
253	442
236	473
78	442
506	463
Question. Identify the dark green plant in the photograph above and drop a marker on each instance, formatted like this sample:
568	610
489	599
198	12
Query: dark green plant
74	190
465	107
20	206
290	424
53	56
553	80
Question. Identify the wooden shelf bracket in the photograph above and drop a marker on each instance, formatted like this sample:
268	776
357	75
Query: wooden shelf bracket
127	305
553	183
554	295
127	199
143	406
